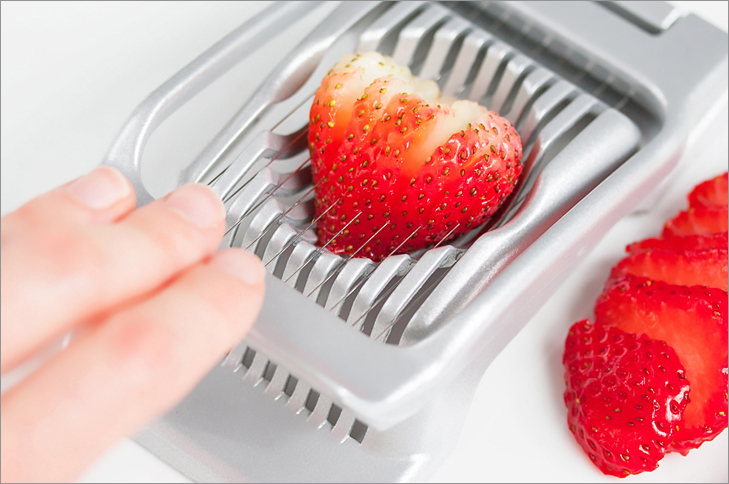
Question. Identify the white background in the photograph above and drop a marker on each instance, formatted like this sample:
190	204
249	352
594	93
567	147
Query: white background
73	72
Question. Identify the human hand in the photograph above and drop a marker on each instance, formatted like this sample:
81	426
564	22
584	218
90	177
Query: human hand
154	306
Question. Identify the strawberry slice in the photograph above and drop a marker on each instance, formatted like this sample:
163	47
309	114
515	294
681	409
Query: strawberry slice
397	168
697	220
705	267
693	321
710	193
625	396
686	242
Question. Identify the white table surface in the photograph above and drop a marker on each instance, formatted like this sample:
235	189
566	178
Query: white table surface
73	72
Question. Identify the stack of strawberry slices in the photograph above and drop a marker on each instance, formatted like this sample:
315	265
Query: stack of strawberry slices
650	375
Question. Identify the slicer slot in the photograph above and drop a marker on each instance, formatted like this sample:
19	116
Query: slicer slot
322	268
467	63
534	85
299	397
258	234
302	253
409	286
575	115
277	383
335	412
382	34
496	52
276	249
446	45
290	385
561	118
359	431
516	71
343	426
375	286
254	374
248	357
311	400
547	105
320	414
347	282
269	371
415	40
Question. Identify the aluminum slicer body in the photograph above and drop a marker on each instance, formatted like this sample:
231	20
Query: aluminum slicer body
412	397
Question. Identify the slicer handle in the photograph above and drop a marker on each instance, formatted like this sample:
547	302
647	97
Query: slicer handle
126	152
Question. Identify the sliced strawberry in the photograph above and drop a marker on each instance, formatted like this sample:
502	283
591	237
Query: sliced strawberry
693	321
711	192
698	220
686	242
705	267
625	395
395	167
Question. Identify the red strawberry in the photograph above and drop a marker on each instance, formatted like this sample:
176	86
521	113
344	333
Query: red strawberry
711	192
693	321
698	220
706	267
625	395
393	169
686	242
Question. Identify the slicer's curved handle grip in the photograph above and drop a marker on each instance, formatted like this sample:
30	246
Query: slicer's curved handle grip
126	152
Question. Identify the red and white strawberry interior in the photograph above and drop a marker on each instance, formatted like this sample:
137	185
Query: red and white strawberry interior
387	151
360	71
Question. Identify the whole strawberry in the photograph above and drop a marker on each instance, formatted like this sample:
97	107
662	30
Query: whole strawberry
625	395
398	169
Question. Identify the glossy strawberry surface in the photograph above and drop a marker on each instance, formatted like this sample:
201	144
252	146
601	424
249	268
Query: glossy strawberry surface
395	171
625	396
693	321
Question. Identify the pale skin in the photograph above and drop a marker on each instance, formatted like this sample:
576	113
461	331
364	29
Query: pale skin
154	306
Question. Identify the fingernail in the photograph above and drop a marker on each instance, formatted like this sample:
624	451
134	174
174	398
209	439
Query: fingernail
198	204
101	188
242	264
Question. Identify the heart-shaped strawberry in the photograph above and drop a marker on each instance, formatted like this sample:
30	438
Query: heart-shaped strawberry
397	168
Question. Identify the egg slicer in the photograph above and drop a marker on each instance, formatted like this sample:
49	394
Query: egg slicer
362	371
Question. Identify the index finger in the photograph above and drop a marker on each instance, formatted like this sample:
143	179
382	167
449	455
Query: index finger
55	279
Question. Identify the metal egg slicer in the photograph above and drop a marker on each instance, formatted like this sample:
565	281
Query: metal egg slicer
362	371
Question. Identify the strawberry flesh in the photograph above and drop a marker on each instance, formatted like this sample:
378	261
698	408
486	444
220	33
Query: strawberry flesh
394	170
710	193
625	395
705	267
697	220
686	242
693	321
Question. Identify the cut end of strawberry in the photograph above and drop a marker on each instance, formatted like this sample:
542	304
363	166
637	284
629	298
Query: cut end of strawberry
707	267
710	193
396	167
625	395
697	221
686	242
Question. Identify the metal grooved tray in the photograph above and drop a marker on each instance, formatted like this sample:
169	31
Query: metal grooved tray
363	371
